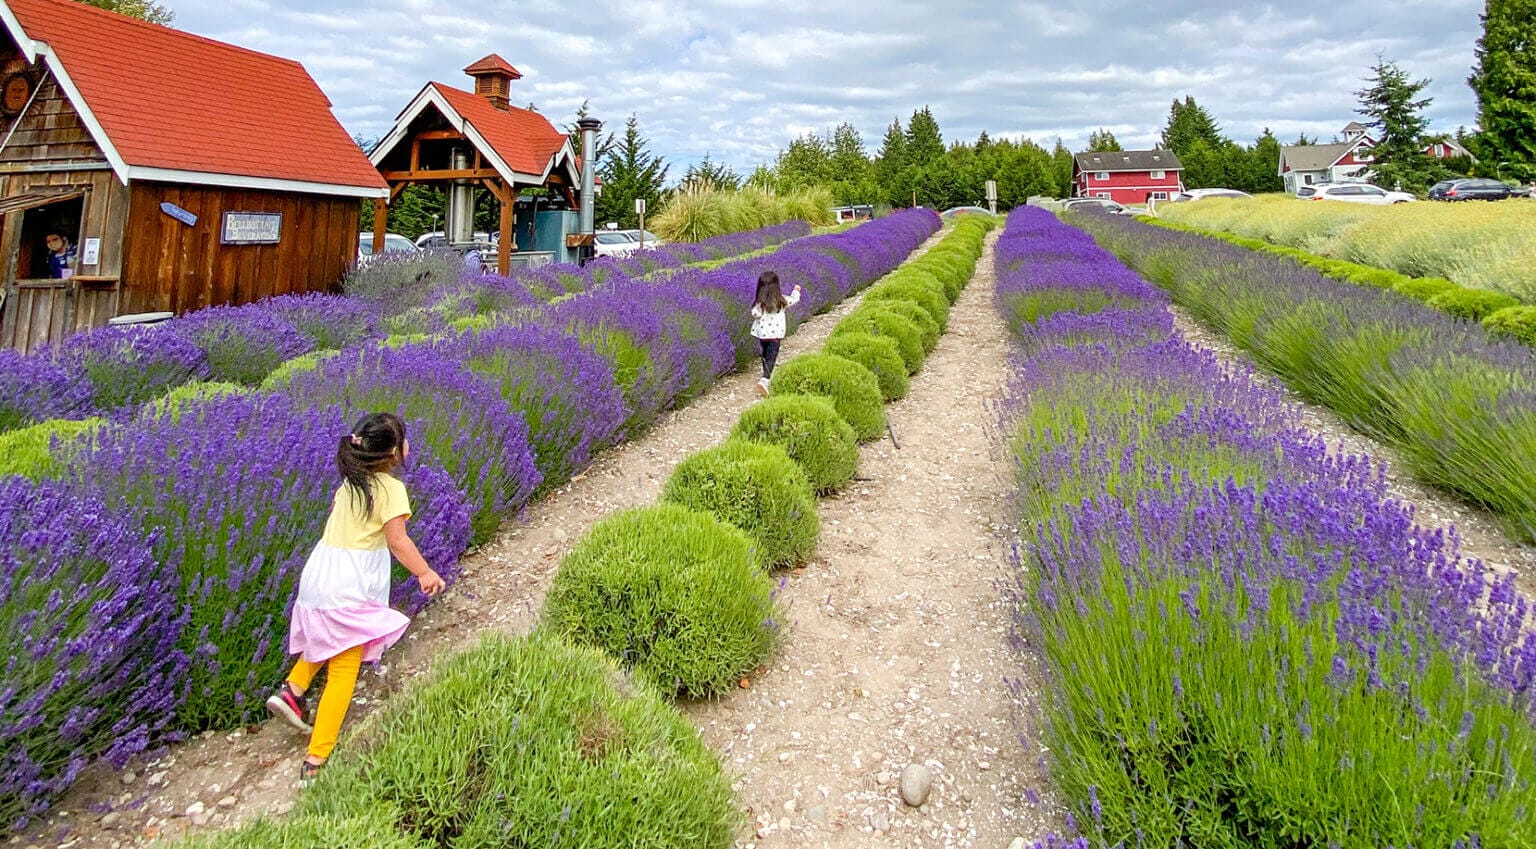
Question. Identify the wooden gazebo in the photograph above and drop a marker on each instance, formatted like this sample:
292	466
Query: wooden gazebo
460	140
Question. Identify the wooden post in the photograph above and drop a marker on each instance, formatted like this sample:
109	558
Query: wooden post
508	198
380	223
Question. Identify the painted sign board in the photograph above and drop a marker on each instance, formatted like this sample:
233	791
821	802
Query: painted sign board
251	228
179	214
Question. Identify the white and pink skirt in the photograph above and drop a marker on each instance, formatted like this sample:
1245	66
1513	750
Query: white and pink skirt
344	602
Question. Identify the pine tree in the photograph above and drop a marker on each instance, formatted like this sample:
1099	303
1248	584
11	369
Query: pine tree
848	158
1388	103
1187	122
629	171
1504	80
924	142
890	163
806	162
711	174
1062	162
1103	141
144	10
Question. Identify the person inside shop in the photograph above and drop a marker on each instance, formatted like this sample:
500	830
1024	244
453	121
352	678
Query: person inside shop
61	256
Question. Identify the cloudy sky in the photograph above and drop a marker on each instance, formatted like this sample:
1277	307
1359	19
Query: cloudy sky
737	79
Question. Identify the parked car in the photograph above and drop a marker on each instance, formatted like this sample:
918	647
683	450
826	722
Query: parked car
1106	203
1474	188
651	239
614	243
1353	193
394	243
1200	194
961	211
436	239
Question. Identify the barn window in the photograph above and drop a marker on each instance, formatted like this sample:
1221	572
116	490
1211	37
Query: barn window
1159	195
1101	176
1158	175
42	215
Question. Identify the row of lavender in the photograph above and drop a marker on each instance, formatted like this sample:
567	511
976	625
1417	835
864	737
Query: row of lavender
147	587
108	370
1248	644
1458	401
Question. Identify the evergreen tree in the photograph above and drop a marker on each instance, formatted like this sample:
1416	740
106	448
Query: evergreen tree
1062	163
1187	123
983	141
144	10
890	163
1103	141
849	160
1504	80
1388	102
924	142
806	162
763	177
1302	141
1263	171
629	171
708	173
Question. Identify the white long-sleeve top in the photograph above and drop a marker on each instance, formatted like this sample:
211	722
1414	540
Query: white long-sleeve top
770	325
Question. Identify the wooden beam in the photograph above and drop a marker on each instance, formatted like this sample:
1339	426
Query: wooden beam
438	135
380	223
395	190
430	175
508	235
416	153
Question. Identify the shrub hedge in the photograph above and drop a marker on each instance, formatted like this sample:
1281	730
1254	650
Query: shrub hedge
853	389
876	353
902	331
1515	322
34	452
670	592
810	431
927	325
909	288
1471	304
523	742
757	488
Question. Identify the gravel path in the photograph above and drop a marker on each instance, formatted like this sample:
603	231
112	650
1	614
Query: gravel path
897	652
924	523
1481	533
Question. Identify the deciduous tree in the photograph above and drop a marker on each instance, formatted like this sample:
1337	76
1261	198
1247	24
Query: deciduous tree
144	10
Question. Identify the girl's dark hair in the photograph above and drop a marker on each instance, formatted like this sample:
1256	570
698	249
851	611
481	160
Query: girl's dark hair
372	447
770	298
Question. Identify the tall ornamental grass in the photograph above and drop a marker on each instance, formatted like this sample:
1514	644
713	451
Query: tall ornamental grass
91	619
1480	245
1247	642
234	492
1459	402
455	420
699	212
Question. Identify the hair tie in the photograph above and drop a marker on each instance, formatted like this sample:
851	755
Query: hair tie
356	440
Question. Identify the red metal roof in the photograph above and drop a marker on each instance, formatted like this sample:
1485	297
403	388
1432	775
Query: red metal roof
525	140
169	99
493	64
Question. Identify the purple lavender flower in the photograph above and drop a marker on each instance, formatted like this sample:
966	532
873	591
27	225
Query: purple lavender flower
126	366
242	344
33	388
331	322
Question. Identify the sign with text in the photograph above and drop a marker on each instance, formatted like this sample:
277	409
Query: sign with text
251	228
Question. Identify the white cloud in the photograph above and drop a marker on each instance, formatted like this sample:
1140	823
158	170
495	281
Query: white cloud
737	79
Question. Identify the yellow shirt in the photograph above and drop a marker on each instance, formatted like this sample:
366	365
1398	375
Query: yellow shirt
348	527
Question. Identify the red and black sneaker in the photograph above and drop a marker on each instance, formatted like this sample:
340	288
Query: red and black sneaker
289	707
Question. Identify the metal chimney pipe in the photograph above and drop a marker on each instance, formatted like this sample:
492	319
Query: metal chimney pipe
589	128
460	222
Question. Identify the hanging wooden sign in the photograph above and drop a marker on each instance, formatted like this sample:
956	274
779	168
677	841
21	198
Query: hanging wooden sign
251	228
179	214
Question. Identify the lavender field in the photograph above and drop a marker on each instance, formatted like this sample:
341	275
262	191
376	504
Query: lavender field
1247	642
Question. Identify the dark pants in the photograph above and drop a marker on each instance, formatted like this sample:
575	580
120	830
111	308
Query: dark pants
770	354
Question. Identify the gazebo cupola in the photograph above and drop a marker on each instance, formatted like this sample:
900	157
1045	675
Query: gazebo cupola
493	79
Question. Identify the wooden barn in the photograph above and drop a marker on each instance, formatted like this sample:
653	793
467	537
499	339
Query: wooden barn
143	169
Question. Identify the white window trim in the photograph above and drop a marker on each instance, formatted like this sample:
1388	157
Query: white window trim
1101	176
1158	175
1159	196
1101	195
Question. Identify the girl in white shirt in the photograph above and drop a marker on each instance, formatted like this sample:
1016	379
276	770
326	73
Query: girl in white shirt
768	321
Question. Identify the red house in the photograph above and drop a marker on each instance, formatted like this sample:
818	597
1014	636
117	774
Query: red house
1127	176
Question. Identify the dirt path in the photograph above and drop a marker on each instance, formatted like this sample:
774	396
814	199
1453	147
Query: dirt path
1481	533
218	780
898	651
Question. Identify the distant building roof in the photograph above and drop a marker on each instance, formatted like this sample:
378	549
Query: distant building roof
167	105
1129	160
1355	127
1314	157
493	64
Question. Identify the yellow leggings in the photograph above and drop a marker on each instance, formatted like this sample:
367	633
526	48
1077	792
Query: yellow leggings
340	682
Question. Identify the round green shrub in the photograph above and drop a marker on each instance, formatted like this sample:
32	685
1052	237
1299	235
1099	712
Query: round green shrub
952	272
172	403
374	829
757	488
672	593
853	389
927	325
876	353
1515	322
810	431
42	450
1472	304
927	293
524	742
889	325
1423	288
